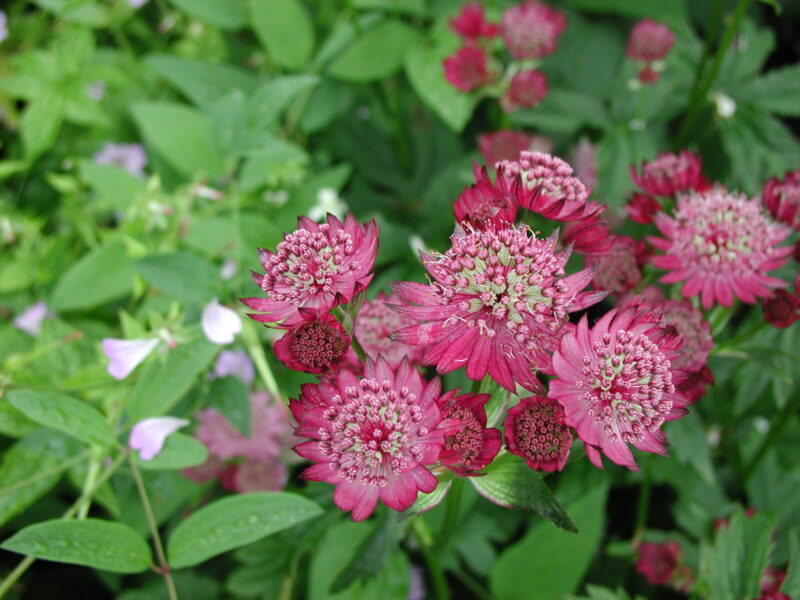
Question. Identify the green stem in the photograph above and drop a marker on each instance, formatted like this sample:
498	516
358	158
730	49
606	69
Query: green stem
778	426
452	507
643	506
740	338
43	474
392	103
423	534
474	585
91	478
256	352
151	522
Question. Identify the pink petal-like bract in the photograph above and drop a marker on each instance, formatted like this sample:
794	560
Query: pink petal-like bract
525	90
619	271
471	23
535	431
782	198
616	382
467	69
670	173
485	203
583	158
148	436
316	345
315	267
649	41
658	561
641	208
498	300
505	144
721	246
472	446
531	29
377	322
372	436
125	355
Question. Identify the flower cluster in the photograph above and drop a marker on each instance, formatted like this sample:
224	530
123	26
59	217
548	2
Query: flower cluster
648	43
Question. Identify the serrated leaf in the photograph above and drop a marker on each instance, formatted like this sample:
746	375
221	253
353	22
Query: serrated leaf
181	275
777	92
180	451
91	542
371	556
235	521
64	413
791	585
284	29
375	55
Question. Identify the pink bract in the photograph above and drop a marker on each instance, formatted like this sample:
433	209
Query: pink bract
641	208
377	321
649	41
316	345
471	23
526	90
531	29
315	267
618	271
670	173
535	431
473	446
694	330
658	561
372	437
721	245
467	69
484	203
504	144
583	158
498	300
782	198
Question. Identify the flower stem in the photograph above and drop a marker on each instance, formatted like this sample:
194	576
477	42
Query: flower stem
474	585
43	474
739	338
151	521
256	352
451	512
643	506
423	534
91	478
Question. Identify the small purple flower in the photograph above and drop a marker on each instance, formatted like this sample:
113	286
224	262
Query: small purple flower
3	26
30	320
137	4
228	269
96	90
220	323
148	436
125	355
236	363
130	157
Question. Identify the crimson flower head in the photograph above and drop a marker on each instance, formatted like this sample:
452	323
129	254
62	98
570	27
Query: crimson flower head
531	29
316	267
371	436
497	302
649	41
316	345
467	69
671	173
641	208
782	198
721	245
658	561
526	90
535	430
618	271
485	203
472	446
377	321
471	23
617	384
505	144
781	309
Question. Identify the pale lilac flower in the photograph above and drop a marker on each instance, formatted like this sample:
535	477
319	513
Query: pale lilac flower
30	320
125	355
137	4
96	90
228	269
148	436
3	26
220	323
236	363
130	157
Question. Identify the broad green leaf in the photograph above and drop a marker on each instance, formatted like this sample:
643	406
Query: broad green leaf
407	6
509	482
105	274
162	384
169	492
670	11
64	413
777	91
549	563
235	521
92	543
181	275
13	423
791	585
377	54
270	165
181	135
284	29
11	167
188	586
690	445
180	452
230	14
372	554
614	157
116	187
267	102
229	396
40	124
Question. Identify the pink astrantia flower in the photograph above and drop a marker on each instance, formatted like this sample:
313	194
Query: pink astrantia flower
526	89
496	304
316	345
220	324
641	208
236	363
30	320
315	267
372	437
616	383
693	329
376	323
125	355
467	69
473	446
583	158
649	41
148	436
504	144
471	23
670	173
485	203
535	431
658	561
531	29
782	198
721	245
781	309
130	157
619	271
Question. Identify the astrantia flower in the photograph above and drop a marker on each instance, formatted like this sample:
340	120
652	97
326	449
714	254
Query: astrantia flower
618	271
583	158
220	324
693	329
535	430
649	41
496	304
236	363
641	208
526	90
531	29
130	157
471	23
125	355
616	383
472	446
722	246
467	69
670	173
371	436
148	436
30	320
782	198
376	323
485	203
315	267
781	309
504	144
316	345
658	561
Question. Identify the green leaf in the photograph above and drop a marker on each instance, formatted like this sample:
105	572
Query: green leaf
180	452
614	157
416	7
285	31
426	74
791	585
274	162
549	563
64	413
181	135
116	187
92	543
509	482
181	275
40	124
267	102
11	167
565	111
229	396
377	54
672	11
372	554
688	439
777	92
235	521
230	14
105	274
162	384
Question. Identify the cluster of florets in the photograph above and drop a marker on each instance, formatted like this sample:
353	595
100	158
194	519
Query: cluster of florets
529	32
649	43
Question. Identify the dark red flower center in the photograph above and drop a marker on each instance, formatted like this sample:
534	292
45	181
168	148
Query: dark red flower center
539	432
468	441
318	344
